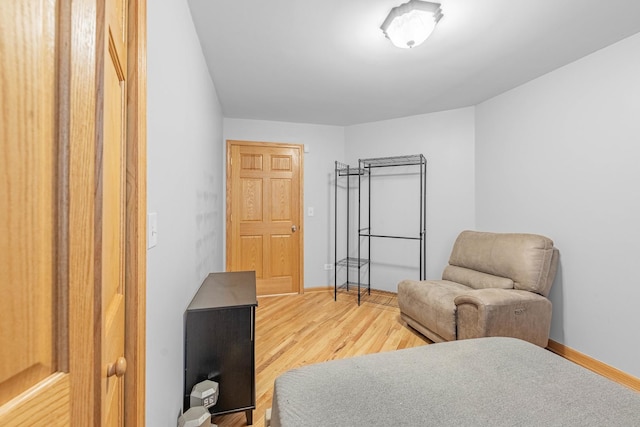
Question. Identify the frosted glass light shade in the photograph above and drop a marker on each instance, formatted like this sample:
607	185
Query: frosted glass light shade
410	24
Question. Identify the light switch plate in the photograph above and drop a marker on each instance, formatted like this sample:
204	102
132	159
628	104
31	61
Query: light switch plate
152	229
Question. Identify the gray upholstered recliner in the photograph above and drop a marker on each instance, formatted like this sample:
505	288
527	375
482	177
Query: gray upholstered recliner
496	284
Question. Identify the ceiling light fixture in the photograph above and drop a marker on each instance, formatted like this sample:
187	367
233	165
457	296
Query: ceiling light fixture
409	24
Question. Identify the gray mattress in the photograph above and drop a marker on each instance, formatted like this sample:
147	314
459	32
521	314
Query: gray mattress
479	382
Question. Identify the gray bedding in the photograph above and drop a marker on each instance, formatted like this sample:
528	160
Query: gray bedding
478	382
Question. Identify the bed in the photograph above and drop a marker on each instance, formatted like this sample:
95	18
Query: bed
477	382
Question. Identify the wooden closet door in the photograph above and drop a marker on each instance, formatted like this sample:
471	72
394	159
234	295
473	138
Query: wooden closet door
71	231
110	212
33	356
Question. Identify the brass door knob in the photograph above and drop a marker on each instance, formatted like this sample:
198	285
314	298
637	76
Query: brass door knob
118	369
294	228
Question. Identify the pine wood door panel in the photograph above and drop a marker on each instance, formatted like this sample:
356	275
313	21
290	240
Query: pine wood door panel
280	255
111	215
251	254
264	202
251	204
113	393
251	161
30	358
281	200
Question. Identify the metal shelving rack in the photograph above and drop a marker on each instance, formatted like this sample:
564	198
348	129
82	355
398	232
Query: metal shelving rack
367	166
348	262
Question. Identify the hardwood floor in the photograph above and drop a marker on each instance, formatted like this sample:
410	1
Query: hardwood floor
297	330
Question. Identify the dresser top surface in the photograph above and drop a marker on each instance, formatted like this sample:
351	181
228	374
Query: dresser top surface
221	290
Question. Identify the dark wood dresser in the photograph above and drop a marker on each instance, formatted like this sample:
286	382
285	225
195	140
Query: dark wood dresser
220	341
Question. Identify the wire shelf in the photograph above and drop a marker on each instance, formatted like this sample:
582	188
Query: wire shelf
379	162
343	169
353	262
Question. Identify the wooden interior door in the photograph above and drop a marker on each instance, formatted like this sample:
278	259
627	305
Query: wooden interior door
264	214
72	232
110	212
32	356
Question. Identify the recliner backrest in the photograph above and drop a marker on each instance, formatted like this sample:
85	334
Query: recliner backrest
529	261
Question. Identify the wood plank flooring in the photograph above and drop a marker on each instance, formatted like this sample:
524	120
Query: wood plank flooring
297	330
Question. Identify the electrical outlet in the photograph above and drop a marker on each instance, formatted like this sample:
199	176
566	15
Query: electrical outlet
328	266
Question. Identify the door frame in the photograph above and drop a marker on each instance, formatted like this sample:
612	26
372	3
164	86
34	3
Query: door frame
228	237
136	217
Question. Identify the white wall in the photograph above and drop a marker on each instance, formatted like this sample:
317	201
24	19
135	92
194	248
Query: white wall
446	139
325	145
185	189
560	156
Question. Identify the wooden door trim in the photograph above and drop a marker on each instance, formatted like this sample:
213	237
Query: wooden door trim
136	218
135	215
300	147
85	361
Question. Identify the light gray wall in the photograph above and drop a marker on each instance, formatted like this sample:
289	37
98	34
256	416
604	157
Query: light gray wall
446	139
556	156
559	156
185	190
325	144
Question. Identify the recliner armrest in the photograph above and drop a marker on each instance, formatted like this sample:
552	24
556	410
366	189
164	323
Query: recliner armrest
503	312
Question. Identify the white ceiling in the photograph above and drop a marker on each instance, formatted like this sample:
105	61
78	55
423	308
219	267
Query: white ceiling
327	62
